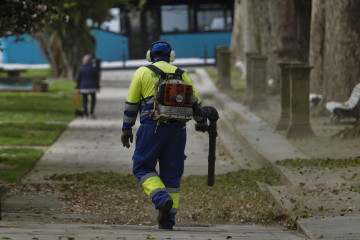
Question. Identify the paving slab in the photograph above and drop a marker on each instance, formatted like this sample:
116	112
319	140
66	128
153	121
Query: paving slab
20	231
333	227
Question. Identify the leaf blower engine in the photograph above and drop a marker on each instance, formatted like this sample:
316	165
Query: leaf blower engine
174	99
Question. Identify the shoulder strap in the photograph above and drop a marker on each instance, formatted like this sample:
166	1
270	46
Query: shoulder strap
156	70
178	70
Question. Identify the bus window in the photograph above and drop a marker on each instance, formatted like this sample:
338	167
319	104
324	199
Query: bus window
211	17
174	18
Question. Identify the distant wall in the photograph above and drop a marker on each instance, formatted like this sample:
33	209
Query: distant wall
25	49
22	49
113	47
191	45
110	46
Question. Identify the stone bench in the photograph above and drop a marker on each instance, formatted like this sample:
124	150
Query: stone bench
38	84
348	109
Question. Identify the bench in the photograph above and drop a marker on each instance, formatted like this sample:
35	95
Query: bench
12	72
348	109
35	84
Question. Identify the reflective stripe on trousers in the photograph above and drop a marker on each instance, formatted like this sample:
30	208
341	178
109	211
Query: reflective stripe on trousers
152	185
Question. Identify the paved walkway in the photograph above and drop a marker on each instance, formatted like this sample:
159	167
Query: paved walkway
89	145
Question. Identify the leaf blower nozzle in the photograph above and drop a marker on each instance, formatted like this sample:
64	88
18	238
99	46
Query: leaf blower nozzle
212	114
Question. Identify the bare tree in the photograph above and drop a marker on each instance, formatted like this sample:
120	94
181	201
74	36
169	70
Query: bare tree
341	48
317	36
237	40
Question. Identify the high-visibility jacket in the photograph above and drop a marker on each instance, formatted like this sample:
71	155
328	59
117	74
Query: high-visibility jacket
140	97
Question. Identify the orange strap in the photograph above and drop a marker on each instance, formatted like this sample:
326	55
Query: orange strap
76	99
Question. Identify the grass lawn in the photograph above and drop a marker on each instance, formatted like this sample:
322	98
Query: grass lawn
55	105
15	162
238	84
32	119
31	134
32	73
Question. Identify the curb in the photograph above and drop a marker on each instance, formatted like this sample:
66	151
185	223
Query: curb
247	126
246	129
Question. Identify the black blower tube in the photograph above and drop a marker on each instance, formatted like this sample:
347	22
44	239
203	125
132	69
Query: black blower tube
211	114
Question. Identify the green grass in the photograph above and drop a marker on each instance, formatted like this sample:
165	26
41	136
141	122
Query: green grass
238	84
55	105
32	119
322	163
15	162
62	86
32	73
235	198
37	73
31	134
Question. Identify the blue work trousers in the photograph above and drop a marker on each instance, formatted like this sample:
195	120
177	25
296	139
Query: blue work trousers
163	143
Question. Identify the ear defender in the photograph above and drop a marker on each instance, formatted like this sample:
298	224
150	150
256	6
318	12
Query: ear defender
149	53
172	56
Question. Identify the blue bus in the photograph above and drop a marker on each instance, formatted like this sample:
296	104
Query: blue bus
193	28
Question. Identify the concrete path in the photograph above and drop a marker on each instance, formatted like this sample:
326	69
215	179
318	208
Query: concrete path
244	141
89	145
46	231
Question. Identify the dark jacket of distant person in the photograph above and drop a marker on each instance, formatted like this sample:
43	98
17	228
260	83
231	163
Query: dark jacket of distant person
88	75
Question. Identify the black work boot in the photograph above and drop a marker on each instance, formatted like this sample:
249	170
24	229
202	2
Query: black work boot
164	215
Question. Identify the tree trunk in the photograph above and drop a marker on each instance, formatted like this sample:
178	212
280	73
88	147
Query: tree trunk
283	32
317	34
237	43
251	27
303	20
265	31
52	52
342	48
46	50
74	41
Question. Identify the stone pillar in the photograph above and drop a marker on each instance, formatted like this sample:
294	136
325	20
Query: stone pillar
224	69
258	82
218	50
248	92
299	101
284	120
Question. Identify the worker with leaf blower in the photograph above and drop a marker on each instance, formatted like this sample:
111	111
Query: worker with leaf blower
165	99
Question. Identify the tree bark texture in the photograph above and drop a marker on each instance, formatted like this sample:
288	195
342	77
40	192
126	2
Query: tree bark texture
237	39
283	32
265	34
342	48
283	29
316	53
303	20
251	27
51	50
